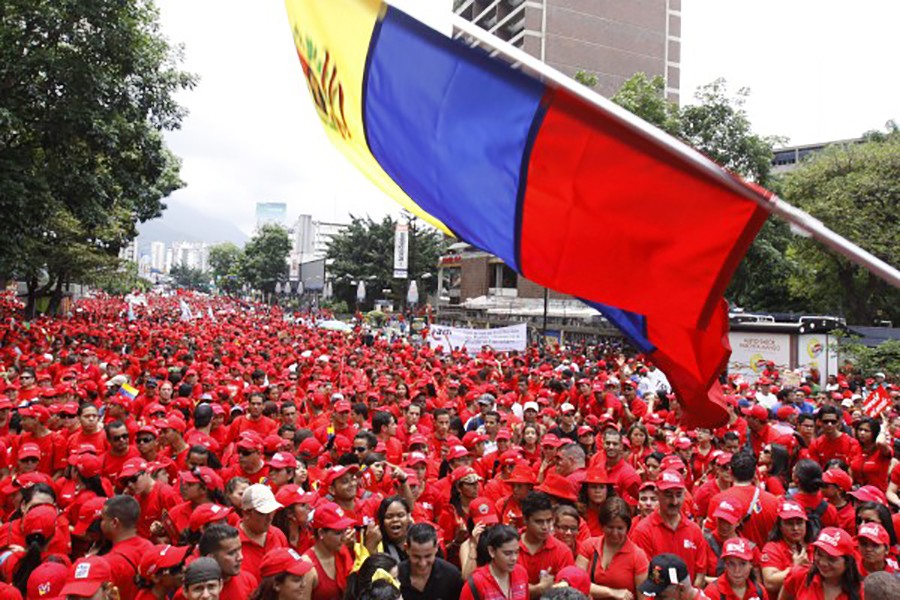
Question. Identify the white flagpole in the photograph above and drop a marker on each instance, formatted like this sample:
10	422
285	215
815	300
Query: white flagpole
801	220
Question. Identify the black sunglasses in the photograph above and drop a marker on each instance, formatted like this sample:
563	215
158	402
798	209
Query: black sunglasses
245	452
360	449
119	438
145	440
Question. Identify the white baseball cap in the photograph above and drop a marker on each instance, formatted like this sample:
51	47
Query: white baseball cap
260	498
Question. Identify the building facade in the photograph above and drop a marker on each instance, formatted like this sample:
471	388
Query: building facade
612	39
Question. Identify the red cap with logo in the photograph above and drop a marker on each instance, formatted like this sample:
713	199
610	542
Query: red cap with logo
670	480
739	548
834	541
481	510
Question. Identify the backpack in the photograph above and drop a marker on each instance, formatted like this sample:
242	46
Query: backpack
716	547
814	516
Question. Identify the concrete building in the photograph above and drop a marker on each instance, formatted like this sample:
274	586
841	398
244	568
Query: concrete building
194	255
309	241
613	39
788	158
158	256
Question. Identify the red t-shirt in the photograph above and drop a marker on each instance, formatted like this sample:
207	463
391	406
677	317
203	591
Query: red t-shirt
627	563
488	588
721	590
124	559
763	514
796	586
111	464
871	467
254	553
843	447
551	557
654	536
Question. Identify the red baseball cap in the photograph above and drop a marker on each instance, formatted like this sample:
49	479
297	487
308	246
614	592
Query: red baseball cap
416	458
551	441
342	406
38	411
338	472
730	510
164	556
870	493
132	467
293	494
875	532
284	560
457	452
329	515
47	581
669	480
283	460
834	541
756	411
29	450
86	576
207	513
40	519
460	473
739	548
90	512
575	577
791	510
204	475
481	510
838	477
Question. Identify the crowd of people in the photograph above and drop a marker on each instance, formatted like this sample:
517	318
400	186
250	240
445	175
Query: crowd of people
239	454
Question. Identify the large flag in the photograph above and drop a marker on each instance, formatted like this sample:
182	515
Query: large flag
572	196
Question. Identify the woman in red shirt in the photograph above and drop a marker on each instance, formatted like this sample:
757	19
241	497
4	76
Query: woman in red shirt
595	489
614	563
874	550
640	445
787	546
872	464
499	575
833	573
738	582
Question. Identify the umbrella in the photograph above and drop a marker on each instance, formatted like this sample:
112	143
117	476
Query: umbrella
334	325
361	292
412	296
326	291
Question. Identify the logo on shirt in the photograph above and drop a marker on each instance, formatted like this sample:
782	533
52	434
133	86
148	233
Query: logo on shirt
690	544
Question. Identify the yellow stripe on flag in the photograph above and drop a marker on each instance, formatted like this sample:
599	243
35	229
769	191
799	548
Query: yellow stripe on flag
332	39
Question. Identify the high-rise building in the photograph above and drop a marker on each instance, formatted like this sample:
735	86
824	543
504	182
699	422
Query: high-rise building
158	256
612	39
309	241
271	212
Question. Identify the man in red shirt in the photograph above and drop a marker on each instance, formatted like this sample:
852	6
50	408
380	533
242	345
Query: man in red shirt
542	555
154	496
254	420
52	444
118	522
761	433
833	443
258	537
223	543
667	530
120	450
762	507
625	479
250	463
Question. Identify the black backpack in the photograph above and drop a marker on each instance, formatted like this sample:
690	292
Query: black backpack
814	516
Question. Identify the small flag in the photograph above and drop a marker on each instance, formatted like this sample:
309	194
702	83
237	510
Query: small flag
128	391
877	401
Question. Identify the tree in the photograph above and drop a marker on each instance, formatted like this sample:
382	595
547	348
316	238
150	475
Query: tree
264	262
586	78
86	89
647	99
867	360
225	260
854	190
189	278
365	252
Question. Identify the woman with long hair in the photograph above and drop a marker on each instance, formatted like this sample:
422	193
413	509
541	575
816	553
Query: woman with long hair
833	573
640	444
875	512
361	580
201	485
293	518
453	519
786	548
595	489
773	468
872	464
393	518
739	577
283	576
39	526
616	566
499	573
330	556
531	447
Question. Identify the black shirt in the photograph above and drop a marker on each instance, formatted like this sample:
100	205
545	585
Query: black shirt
445	582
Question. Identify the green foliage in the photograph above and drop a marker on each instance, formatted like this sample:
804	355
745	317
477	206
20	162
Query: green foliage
883	358
586	78
86	89
338	307
225	260
264	262
365	251
121	281
647	99
188	278
718	126
855	191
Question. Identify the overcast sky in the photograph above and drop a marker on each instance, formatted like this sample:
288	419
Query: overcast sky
817	70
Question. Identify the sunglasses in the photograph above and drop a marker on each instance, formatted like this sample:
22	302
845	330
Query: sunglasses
145	440
120	438
29	459
245	452
829	421
130	480
360	449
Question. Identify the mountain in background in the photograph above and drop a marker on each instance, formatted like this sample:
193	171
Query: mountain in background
181	223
